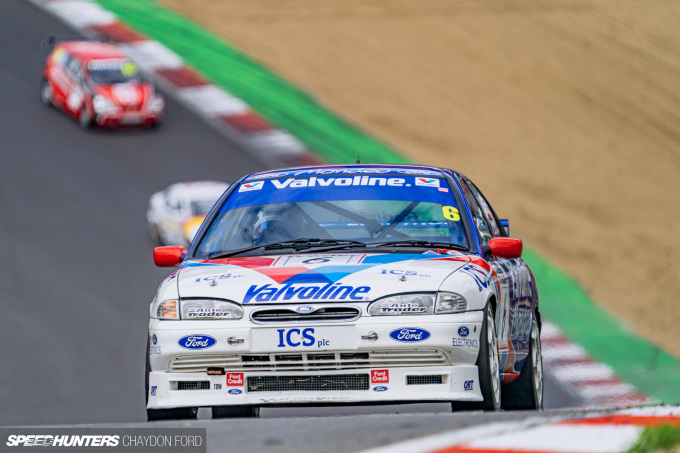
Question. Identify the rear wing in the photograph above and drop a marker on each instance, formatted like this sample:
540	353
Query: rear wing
49	42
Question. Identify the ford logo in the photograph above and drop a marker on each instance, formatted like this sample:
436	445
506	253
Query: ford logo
380	388
197	342
305	309
154	339
463	331
409	334
235	392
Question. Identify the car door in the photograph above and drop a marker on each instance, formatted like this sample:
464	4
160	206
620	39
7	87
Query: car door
516	320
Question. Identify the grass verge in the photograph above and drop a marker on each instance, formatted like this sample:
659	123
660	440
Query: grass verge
657	438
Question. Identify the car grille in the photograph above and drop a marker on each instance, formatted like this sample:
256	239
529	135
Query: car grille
424	380
308	383
322	314
199	363
193	385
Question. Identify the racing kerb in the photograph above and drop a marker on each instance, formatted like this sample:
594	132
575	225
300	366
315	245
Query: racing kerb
282	124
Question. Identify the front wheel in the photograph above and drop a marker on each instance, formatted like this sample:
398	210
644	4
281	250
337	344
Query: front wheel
526	393
46	93
488	364
84	118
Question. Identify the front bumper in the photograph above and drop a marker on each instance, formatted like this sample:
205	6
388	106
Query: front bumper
344	363
128	118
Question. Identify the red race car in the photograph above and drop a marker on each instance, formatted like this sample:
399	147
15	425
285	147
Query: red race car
99	85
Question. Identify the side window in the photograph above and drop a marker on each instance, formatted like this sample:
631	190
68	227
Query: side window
486	209
477	215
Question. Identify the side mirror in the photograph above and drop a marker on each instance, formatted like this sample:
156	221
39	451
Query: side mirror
505	223
508	248
169	256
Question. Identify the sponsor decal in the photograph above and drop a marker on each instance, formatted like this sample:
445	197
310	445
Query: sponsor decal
295	337
126	94
409	334
397	307
234	379
197	342
349	171
217	386
108	64
152	392
207	313
465	343
427	182
235	391
212	278
380	376
469	385
249	186
380	388
400	272
154	350
443	189
329	291
463	331
154	339
305	309
293	183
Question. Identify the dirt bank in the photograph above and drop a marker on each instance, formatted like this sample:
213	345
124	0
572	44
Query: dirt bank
567	114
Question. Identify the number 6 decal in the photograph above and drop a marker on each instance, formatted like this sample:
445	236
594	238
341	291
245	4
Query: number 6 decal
451	213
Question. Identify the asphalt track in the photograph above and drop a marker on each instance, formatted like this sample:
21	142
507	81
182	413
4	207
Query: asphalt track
77	273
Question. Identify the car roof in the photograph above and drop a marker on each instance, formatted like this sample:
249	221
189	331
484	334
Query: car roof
92	50
353	169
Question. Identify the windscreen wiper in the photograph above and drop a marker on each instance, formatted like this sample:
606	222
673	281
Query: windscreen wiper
312	243
301	243
417	243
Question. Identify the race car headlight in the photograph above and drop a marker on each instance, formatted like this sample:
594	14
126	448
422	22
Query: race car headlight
167	310
210	309
450	303
403	304
102	105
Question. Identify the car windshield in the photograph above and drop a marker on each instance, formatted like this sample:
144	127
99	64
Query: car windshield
365	209
114	71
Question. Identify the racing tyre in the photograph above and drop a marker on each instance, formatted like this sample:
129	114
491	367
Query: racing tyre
84	118
526	393
488	364
235	411
176	413
46	93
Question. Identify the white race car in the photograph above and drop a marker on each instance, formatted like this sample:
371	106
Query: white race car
175	213
345	284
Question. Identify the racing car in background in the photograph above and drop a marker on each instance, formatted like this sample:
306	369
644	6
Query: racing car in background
175	213
97	84
357	284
